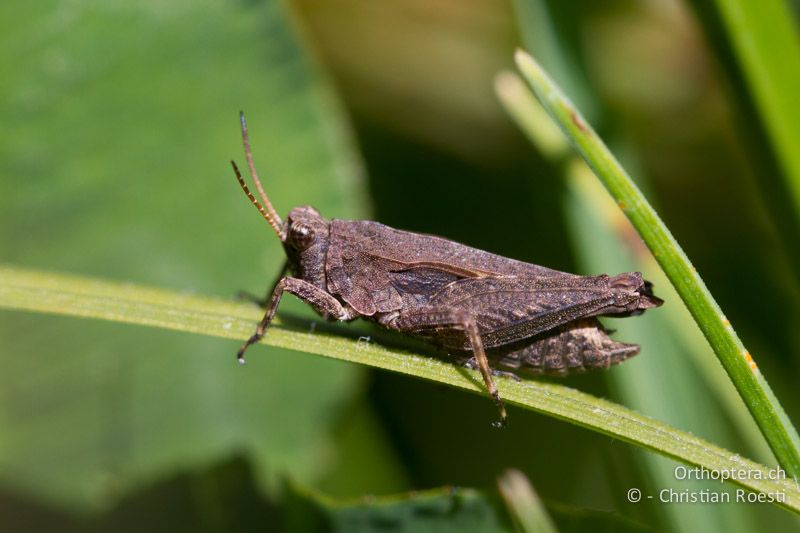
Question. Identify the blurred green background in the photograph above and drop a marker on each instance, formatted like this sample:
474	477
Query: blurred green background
117	121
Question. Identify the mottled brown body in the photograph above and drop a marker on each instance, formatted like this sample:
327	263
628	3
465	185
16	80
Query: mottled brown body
404	281
523	316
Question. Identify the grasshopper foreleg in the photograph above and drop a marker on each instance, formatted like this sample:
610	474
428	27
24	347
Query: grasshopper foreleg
322	302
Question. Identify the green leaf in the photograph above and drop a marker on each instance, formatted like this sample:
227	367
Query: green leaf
118	124
224	496
442	509
454	509
61	294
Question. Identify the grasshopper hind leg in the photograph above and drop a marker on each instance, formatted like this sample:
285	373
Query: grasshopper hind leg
461	320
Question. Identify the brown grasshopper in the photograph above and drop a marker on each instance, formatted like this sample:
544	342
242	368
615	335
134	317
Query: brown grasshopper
523	316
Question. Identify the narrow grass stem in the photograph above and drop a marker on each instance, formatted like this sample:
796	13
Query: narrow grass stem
737	361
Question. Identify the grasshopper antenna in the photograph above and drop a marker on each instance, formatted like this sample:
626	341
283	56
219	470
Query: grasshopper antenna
267	211
253	199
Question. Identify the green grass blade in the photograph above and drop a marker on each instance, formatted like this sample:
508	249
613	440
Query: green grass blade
766	43
522	105
675	354
677	322
737	361
141	188
524	504
27	290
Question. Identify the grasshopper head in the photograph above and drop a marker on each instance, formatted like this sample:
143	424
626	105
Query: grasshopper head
305	236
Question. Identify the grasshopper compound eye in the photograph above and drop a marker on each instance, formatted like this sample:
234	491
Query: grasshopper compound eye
300	236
